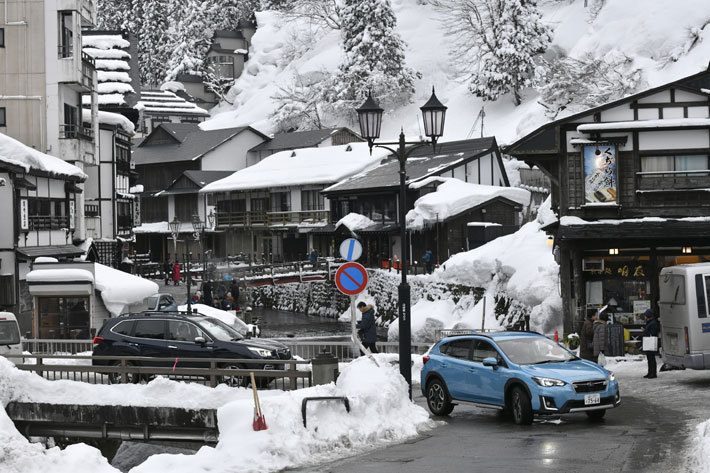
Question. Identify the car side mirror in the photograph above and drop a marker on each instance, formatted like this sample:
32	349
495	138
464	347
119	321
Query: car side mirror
490	361
200	340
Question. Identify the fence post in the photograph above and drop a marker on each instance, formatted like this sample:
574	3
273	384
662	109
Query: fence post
38	365
124	375
292	375
213	377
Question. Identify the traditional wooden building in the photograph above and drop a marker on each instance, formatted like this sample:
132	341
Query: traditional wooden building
630	186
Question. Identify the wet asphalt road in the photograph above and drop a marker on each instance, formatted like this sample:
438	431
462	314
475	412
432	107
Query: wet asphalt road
649	432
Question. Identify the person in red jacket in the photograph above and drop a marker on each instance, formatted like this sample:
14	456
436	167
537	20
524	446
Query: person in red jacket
176	273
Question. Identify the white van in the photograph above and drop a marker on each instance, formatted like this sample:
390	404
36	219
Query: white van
685	315
10	343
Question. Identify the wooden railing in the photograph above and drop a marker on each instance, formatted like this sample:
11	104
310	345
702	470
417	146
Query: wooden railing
48	222
271	219
673	180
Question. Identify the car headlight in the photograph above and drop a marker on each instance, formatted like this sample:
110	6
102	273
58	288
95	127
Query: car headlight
611	376
548	382
262	352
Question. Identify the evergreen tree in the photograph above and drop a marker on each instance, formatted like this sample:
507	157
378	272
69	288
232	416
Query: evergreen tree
190	39
495	43
227	14
374	57
120	15
153	40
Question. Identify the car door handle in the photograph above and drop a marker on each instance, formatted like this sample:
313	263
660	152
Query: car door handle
130	344
172	346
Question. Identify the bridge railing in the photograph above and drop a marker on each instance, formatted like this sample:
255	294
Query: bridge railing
209	372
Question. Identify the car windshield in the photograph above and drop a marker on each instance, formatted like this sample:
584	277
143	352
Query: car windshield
534	351
217	329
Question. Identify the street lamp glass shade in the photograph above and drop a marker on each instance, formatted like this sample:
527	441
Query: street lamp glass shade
434	114
370	117
210	218
174	226
197	224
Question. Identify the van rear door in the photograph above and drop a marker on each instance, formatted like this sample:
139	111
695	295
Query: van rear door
674	309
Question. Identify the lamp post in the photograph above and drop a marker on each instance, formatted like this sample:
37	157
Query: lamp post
210	221
370	118
175	230
199	227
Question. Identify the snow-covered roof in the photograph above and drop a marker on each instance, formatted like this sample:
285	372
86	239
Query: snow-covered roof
112	67
165	102
301	167
355	221
455	196
571	221
645	124
110	118
162	227
32	161
60	275
120	290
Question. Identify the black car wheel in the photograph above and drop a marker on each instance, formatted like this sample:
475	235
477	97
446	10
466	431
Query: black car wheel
437	398
520	407
131	378
596	415
235	380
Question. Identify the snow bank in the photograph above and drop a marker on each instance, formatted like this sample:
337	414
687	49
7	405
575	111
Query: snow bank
455	196
354	221
104	41
15	153
173	86
300	167
110	118
380	413
58	275
120	290
700	450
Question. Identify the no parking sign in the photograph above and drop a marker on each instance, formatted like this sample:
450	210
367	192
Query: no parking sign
351	279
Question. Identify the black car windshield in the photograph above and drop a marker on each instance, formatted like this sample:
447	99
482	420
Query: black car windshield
217	329
534	351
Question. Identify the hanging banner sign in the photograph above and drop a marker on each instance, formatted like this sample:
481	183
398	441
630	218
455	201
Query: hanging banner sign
24	215
600	174
71	214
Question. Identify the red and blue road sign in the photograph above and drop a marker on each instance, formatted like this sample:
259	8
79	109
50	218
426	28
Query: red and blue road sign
351	279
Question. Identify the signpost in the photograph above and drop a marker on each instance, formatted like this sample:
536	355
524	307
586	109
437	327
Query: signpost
351	280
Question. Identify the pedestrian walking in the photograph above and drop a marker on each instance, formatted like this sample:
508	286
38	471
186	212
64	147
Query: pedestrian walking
313	257
428	259
586	340
600	334
652	329
234	289
207	293
397	264
367	329
176	273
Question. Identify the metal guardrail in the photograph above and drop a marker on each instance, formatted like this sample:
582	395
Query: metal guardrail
288	379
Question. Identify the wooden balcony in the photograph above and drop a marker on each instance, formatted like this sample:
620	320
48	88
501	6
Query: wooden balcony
272	219
48	222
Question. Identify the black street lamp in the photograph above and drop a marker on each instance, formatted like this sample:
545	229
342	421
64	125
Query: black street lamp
197	225
370	118
175	230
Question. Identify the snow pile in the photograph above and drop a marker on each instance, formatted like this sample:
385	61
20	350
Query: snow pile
104	42
110	118
119	290
380	413
173	86
521	266
59	275
15	153
355	221
455	196
700	450
301	167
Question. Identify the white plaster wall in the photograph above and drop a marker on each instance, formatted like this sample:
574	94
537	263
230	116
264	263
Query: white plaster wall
618	114
677	139
7	215
698	112
662	96
673	112
687	96
648	114
231	155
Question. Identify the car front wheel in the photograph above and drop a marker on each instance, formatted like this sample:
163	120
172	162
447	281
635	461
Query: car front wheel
520	407
437	398
131	378
235	380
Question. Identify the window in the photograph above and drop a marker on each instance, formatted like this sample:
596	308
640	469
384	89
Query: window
66	34
483	350
457	349
63	317
2	37
150	329
312	200
3	117
185	207
280	201
7	289
675	163
700	294
9	334
672	289
124	328
183	331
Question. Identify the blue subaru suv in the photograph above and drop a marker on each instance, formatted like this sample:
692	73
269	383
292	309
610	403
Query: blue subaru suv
524	373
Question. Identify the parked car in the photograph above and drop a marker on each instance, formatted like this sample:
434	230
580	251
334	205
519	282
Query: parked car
10	343
182	335
161	301
524	373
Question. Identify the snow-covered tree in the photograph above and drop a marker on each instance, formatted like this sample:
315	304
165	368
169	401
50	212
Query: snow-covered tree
495	43
190	39
374	57
227	14
324	13
114	14
298	105
586	82
153	40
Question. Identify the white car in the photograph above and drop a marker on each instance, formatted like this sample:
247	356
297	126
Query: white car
10	343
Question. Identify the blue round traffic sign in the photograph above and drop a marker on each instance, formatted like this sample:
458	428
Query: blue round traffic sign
351	278
350	249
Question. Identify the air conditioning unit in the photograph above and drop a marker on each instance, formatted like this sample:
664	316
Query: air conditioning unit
589	264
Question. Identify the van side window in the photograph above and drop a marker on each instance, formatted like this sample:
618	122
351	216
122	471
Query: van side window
701	295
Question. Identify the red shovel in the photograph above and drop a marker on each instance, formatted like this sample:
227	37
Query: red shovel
259	422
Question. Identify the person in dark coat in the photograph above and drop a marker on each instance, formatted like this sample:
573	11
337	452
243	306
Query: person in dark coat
207	293
428	259
366	327
652	329
600	334
167	269
234	289
586	340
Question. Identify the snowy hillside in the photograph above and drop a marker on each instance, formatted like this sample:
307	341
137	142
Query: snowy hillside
662	39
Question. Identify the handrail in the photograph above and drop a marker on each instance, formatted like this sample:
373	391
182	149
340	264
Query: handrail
699	172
